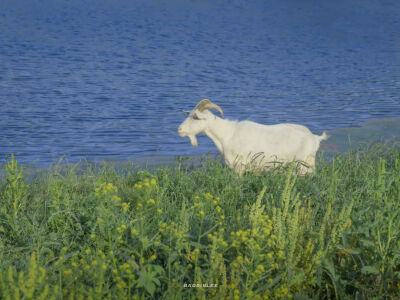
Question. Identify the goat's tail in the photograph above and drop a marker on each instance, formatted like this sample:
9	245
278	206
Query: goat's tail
323	137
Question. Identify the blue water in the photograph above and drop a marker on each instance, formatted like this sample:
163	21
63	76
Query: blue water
108	79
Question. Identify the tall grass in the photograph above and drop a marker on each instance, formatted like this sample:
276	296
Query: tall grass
180	232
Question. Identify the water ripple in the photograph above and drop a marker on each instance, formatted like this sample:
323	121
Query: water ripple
99	79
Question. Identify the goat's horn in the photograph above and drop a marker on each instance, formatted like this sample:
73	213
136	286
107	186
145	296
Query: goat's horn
207	104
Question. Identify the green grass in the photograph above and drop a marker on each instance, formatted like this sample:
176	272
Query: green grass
100	233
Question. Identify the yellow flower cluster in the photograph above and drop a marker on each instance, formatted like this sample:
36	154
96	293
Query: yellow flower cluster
67	272
259	270
125	206
105	188
90	264
282	292
208	196
28	286
146	183
194	206
172	231
121	228
239	237
202	206
218	239
146	195
218	209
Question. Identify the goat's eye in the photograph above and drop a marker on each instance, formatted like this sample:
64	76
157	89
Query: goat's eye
195	117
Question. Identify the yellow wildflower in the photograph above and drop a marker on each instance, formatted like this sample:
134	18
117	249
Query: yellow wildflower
208	196
111	187
125	206
67	272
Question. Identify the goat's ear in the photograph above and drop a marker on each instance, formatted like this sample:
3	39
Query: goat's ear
186	112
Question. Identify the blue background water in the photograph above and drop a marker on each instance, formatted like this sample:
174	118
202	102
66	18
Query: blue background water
109	79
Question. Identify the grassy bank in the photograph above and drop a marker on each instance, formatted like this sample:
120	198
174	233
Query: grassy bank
105	234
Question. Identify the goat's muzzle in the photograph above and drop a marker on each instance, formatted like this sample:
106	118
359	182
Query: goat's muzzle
180	132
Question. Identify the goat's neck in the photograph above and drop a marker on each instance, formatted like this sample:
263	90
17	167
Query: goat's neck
219	131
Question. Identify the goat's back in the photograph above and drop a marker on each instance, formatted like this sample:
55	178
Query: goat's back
282	141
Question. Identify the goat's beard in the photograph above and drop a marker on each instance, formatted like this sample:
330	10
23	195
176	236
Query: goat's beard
193	140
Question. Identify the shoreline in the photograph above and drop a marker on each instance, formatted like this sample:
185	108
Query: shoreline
341	140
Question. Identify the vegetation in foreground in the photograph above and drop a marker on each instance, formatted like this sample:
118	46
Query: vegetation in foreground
180	232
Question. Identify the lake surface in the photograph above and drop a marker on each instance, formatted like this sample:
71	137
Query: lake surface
102	79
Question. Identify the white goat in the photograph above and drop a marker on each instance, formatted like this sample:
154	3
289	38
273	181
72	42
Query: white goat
247	145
